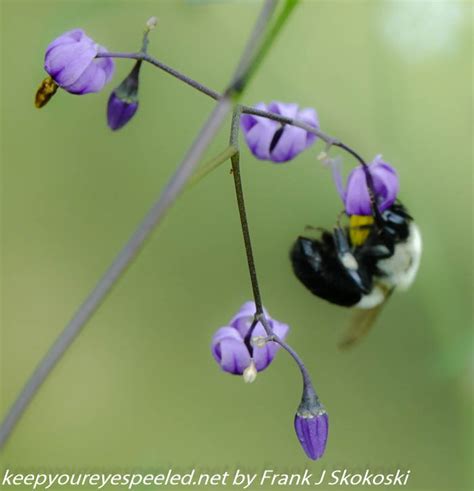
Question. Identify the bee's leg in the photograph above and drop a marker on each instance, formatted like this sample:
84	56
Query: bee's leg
349	262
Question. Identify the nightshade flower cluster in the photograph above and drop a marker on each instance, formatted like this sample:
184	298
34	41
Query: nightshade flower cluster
243	346
355	195
70	61
270	140
230	350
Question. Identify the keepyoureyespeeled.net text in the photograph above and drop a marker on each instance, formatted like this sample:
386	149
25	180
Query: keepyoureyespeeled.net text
45	481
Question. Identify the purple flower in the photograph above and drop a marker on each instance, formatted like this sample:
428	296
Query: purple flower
270	140
356	195
70	60
311	426
229	348
123	101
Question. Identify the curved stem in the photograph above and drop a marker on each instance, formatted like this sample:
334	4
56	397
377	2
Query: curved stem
276	339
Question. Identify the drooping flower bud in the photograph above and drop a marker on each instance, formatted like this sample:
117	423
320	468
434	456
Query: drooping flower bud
70	61
311	426
270	140
123	101
230	349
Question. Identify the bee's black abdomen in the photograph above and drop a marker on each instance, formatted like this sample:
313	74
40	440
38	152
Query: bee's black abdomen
316	265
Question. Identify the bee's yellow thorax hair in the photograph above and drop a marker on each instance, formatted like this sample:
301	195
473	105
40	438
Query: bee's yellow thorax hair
359	228
45	91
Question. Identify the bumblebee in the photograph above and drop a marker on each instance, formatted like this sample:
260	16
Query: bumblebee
360	265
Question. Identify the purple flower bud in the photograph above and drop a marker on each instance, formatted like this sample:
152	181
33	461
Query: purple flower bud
119	111
228	343
70	60
123	101
311	426
270	140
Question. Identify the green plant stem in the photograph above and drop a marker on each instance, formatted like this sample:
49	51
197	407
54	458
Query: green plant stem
270	36
242	213
212	164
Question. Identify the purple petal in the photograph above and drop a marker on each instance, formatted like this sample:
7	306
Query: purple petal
259	132
386	187
230	351
228	346
386	184
312	432
259	138
265	355
357	200
68	37
291	143
283	109
281	330
248	121
293	140
92	80
244	318
309	116
70	60
67	62
106	64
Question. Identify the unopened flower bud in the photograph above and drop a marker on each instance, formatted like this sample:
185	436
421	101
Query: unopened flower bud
151	23
311	426
123	101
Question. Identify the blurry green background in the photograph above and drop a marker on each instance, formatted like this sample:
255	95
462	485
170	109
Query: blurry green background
139	390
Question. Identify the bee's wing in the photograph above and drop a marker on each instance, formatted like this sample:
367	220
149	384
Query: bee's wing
362	321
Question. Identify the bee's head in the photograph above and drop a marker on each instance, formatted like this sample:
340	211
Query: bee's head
394	223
